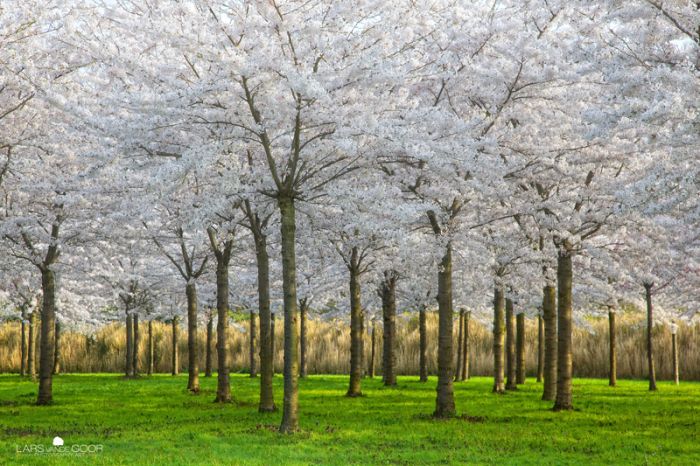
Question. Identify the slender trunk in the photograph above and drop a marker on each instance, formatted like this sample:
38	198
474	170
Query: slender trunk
389	317
613	349
423	330
210	336
129	369
373	350
549	315
510	346
223	384
465	346
267	326
135	352
31	346
499	305
363	363
674	355
175	352
192	363
520	348
540	348
23	347
253	345
458	372
650	347
88	352
444	401
57	348
302	339
290	412
272	341
563	401
355	388
150	354
156	356
46	355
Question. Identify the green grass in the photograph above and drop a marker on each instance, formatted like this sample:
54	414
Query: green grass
155	421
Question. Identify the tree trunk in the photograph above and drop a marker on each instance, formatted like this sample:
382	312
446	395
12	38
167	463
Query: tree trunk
150	354
563	401
674	355
156	356
613	349
650	347
302	339
23	347
46	355
129	369
210	336
272	341
175	352
465	347
31	346
253	345
88	352
458	372
389	317
363	363
57	348
423	330
498	340
520	348
510	346
549	315
355	388
192	363
267	326
135	352
373	350
540	348
223	384
444	401
290	412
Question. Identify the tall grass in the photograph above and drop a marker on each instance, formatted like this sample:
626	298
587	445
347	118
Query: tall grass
329	348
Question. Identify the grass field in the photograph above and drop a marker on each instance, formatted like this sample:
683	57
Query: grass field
155	421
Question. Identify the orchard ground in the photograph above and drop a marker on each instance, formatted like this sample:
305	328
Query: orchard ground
154	420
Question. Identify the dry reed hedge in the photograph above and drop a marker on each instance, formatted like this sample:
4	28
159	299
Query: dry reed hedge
329	348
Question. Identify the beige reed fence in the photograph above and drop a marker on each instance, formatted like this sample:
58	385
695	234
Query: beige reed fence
329	348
